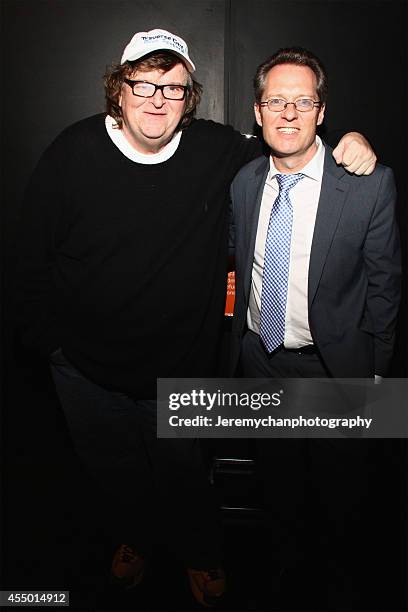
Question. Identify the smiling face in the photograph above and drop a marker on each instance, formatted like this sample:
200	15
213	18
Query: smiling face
291	134
149	123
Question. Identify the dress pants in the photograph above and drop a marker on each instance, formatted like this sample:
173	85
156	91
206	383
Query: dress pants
154	492
314	488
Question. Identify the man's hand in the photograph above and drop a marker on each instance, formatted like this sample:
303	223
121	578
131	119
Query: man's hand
355	154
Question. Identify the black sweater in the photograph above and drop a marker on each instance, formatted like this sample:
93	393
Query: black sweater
123	265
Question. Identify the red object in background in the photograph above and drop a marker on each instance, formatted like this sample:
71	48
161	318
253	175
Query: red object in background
229	302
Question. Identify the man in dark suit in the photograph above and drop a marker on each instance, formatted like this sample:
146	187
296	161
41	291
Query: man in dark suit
317	276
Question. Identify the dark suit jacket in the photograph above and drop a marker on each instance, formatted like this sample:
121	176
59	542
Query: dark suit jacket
354	272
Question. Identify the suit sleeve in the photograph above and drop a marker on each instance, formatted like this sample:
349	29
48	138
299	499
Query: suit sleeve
231	233
383	262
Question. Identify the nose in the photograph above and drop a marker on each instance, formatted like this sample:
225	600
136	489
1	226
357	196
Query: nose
158	99
290	113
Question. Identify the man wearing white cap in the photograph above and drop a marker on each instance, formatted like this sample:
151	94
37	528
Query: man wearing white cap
122	280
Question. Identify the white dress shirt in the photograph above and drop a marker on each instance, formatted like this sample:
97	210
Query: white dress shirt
304	198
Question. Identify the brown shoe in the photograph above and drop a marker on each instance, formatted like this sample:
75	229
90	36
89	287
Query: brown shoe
208	586
127	567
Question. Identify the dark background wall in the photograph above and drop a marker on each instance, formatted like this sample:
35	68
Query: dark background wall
54	54
364	48
56	51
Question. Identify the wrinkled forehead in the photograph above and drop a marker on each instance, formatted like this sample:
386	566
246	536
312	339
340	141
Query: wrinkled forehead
290	77
148	66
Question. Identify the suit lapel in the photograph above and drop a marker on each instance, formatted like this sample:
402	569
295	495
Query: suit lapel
331	202
253	200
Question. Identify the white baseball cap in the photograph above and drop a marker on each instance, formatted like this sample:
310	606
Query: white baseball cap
143	43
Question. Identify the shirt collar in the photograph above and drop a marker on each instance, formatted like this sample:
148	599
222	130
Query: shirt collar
313	169
130	152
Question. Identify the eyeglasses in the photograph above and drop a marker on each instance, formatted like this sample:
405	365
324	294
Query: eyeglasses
302	104
143	89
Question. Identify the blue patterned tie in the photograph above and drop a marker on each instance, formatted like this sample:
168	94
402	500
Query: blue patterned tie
276	265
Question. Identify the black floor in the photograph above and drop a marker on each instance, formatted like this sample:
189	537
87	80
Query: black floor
53	540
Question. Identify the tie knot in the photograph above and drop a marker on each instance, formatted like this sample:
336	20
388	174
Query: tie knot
287	181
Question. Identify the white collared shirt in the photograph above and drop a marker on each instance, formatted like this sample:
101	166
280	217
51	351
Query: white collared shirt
118	138
305	198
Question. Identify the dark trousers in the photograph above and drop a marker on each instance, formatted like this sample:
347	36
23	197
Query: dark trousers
153	491
315	489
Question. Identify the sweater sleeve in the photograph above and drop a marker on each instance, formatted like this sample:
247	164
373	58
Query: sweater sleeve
34	295
246	148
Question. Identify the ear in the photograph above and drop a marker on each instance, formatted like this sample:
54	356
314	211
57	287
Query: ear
320	116
258	115
121	94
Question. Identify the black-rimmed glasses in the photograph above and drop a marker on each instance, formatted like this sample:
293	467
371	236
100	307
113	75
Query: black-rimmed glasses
279	104
144	89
